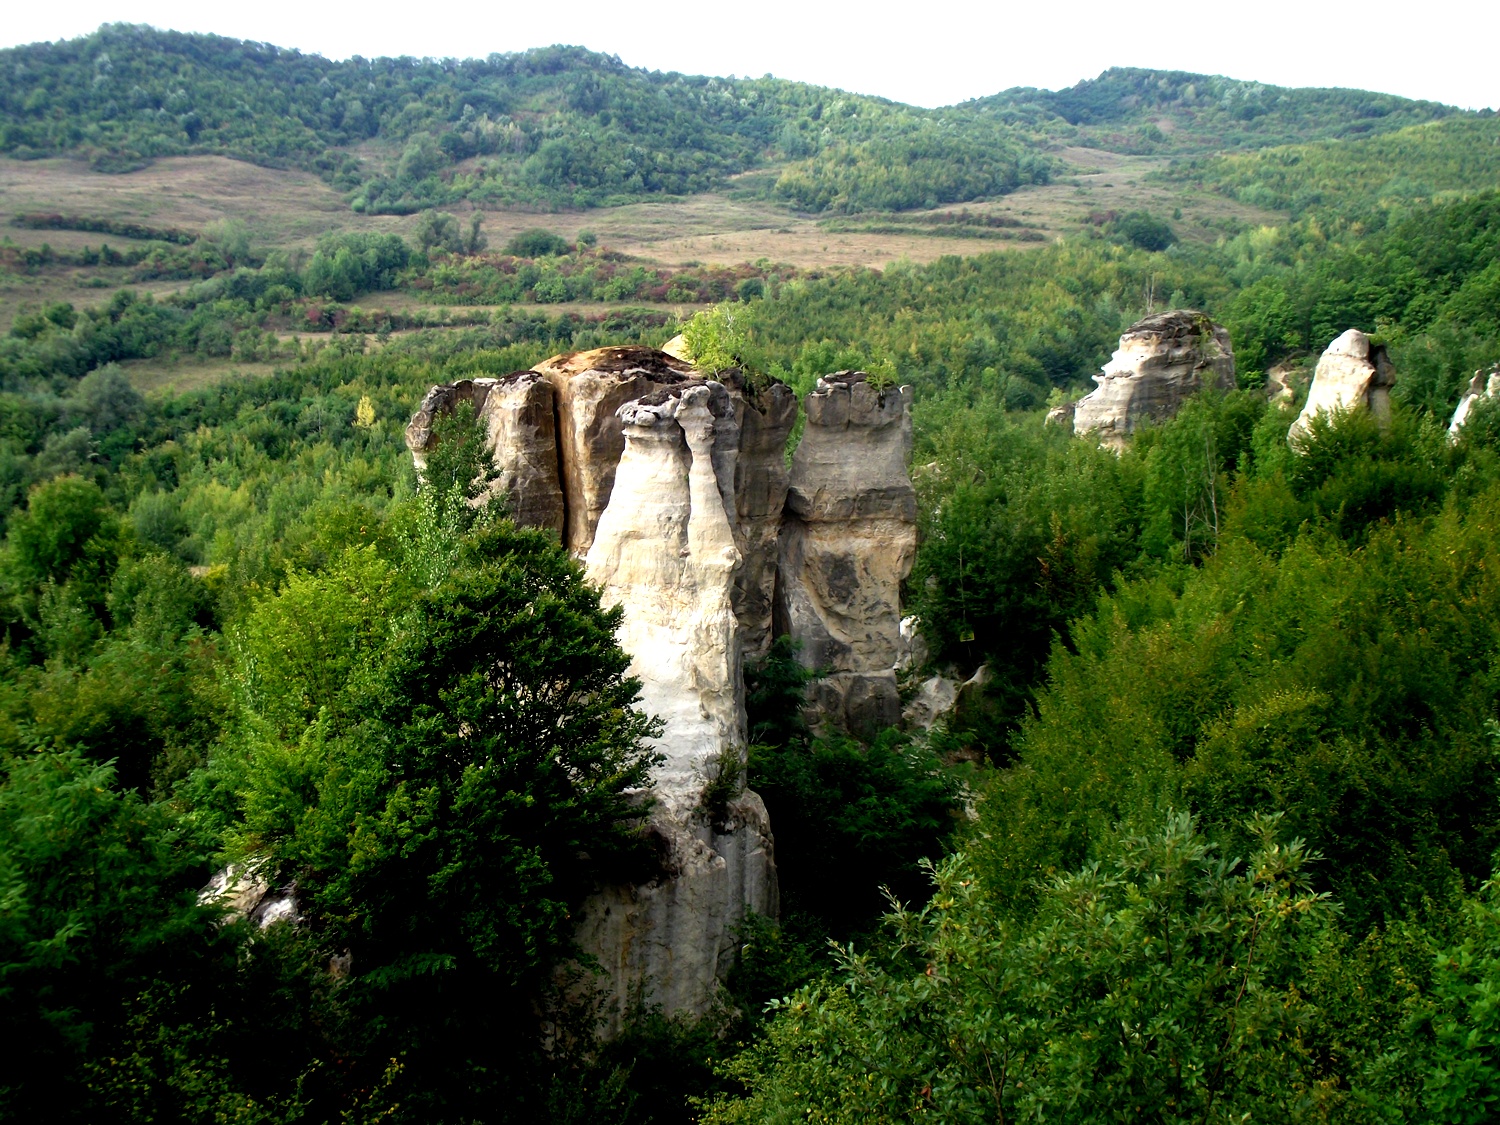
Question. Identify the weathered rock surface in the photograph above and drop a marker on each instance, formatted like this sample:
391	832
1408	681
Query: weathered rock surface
591	387
244	892
1062	414
1484	385
1161	362
1352	374
935	699
521	439
847	543
766	416
665	551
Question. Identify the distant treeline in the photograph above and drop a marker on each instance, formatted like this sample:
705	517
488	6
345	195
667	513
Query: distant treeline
123	228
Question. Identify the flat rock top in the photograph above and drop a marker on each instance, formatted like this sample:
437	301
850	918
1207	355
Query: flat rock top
1172	325
631	360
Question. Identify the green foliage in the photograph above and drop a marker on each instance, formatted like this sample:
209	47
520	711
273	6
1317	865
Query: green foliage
1143	230
537	243
1160	981
718	339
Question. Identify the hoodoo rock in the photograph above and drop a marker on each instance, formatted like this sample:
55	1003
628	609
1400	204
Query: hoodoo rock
1352	374
665	552
520	439
1160	363
1484	385
847	543
591	387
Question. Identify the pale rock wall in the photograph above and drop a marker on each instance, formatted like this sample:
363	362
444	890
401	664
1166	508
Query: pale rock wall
665	551
1352	374
848	540
1485	384
1161	362
591	387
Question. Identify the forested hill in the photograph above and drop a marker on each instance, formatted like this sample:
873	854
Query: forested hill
1172	111
557	126
562	126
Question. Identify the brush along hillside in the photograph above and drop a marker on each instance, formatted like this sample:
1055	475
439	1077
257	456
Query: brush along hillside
1207	836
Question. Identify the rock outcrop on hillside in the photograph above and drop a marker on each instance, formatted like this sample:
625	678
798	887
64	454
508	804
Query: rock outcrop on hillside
1352	374
1484	385
674	490
847	543
1161	362
520	438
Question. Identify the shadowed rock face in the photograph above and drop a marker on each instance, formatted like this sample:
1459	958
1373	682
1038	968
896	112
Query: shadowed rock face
1160	363
766	417
520	438
1352	374
591	387
1484	385
847	543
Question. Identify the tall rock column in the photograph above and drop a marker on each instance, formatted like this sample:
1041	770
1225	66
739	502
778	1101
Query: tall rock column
765	416
665	551
848	540
591	387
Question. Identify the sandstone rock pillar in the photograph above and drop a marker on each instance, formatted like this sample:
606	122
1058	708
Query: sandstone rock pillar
1352	374
848	540
520	438
665	551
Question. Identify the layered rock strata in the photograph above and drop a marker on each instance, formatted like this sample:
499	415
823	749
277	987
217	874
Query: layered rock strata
520	440
1484	385
1161	362
1352	374
665	551
847	543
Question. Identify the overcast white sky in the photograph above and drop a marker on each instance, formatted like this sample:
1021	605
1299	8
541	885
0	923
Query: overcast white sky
924	53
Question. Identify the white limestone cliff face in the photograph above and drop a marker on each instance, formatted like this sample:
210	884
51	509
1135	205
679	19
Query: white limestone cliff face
520	438
591	387
847	542
1161	362
665	551
1352	374
1484	385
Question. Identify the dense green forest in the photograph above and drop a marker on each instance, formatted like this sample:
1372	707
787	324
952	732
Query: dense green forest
1216	842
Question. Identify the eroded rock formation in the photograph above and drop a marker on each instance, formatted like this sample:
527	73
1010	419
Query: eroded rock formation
1160	363
847	543
520	438
1484	385
1352	374
665	551
766	416
675	491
